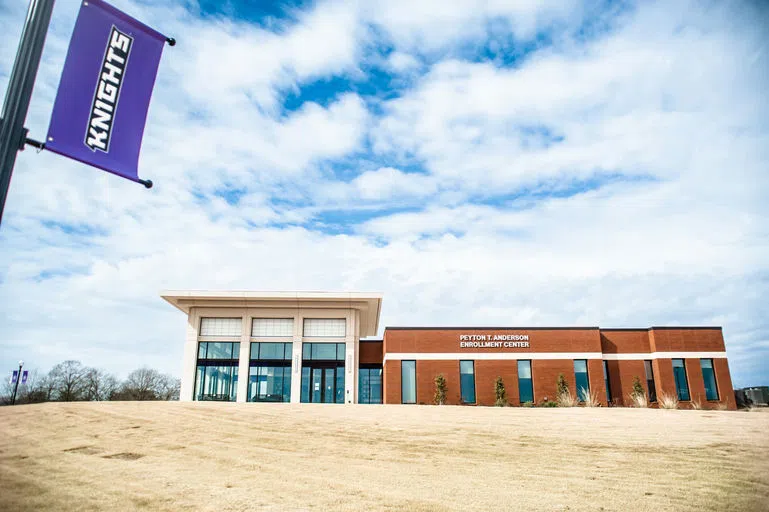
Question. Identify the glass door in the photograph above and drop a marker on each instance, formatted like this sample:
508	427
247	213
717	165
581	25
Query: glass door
317	385
328	389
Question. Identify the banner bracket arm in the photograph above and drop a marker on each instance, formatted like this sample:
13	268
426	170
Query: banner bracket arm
34	143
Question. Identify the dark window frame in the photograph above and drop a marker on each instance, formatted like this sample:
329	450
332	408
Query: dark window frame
587	380
416	398
686	380
530	379
368	367
715	380
651	385
607	381
461	384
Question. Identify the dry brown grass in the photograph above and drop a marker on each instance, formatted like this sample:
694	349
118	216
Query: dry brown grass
284	457
667	401
638	400
566	399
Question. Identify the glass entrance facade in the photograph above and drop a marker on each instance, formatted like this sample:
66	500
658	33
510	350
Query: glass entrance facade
217	371
323	373
269	375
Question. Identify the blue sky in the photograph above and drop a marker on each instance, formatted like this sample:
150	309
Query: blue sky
505	163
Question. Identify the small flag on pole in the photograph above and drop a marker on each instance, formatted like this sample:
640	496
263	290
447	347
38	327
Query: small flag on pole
14	376
101	105
24	377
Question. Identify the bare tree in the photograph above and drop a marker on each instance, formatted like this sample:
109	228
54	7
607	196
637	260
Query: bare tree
69	380
168	388
98	385
142	384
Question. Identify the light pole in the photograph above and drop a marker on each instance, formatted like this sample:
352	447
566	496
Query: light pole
16	387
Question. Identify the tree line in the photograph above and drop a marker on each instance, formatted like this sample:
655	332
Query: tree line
71	381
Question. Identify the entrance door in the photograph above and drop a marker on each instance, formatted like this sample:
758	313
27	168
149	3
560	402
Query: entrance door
317	385
324	385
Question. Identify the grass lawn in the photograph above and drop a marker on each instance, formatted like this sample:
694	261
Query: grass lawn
282	457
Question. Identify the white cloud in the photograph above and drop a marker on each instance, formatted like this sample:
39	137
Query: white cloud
675	94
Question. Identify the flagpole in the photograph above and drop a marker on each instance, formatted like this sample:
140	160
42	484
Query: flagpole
16	105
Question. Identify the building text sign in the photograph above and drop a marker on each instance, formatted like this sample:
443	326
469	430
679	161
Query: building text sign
493	341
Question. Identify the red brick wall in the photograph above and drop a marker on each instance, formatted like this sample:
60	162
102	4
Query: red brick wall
625	341
687	340
370	352
545	372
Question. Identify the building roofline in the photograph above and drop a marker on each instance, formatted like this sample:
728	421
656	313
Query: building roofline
507	328
512	328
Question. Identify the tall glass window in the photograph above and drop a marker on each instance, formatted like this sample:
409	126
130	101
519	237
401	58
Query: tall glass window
650	381
606	381
269	375
323	375
467	381
408	382
370	385
679	373
216	377
580	376
709	377
525	387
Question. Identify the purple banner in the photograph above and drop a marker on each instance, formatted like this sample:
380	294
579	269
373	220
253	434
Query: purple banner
101	105
14	376
24	377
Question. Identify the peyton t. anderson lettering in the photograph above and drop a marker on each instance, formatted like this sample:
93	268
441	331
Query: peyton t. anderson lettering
493	341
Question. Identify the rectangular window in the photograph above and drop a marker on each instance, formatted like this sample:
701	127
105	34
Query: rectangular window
323	351
582	382
650	380
218	350
679	373
709	377
221	326
269	384
272	327
325	327
217	371
606	381
467	381
273	351
525	387
408	382
216	383
370	385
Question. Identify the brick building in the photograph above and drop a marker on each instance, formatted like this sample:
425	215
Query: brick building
313	347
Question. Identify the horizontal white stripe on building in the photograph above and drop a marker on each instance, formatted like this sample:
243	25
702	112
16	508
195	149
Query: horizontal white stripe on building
512	356
665	355
489	356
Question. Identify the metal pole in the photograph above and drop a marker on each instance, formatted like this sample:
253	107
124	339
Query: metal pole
16	387
16	105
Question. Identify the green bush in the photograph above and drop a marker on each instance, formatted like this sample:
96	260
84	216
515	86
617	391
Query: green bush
638	389
500	393
527	404
549	403
440	389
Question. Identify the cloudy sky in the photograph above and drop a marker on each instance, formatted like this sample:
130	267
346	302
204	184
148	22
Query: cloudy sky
479	163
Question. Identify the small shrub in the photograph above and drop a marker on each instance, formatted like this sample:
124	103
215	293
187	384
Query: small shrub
591	399
500	393
667	401
638	400
527	404
440	389
696	404
563	387
566	399
549	403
